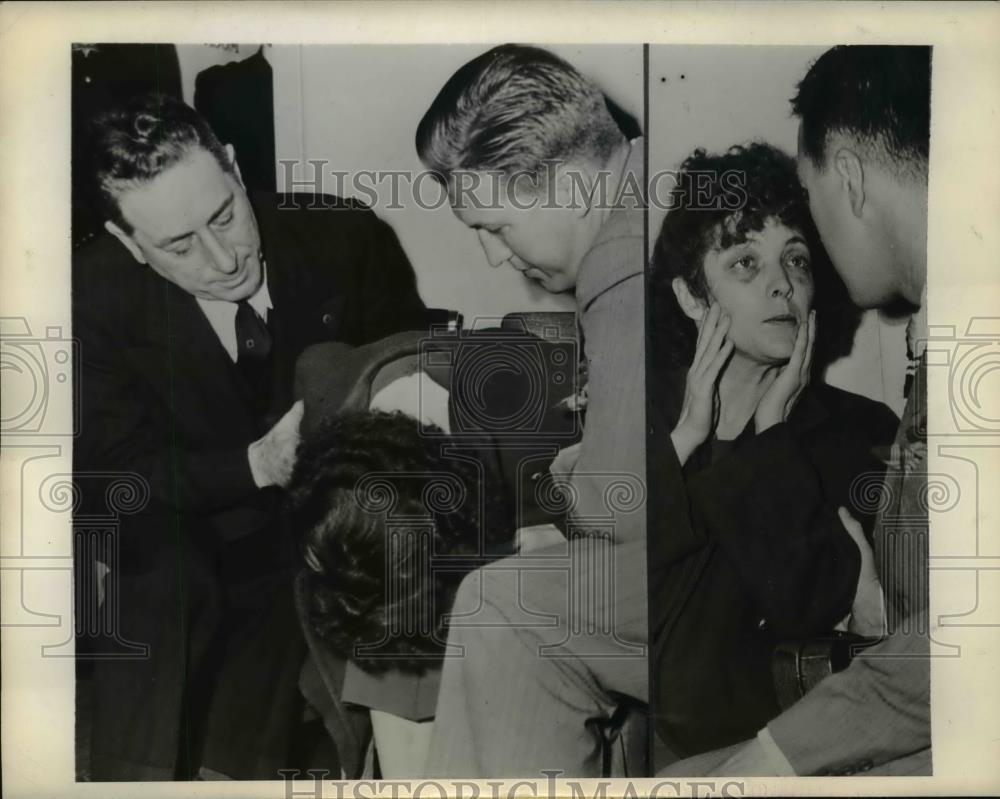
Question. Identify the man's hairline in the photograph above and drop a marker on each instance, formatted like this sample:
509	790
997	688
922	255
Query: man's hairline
229	168
861	146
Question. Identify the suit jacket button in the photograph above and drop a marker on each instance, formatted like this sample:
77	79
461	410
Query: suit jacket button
327	318
762	624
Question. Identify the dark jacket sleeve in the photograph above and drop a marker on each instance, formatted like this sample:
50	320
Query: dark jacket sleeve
389	293
366	266
766	508
122	429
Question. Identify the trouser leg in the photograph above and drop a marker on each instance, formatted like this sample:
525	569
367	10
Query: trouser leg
538	646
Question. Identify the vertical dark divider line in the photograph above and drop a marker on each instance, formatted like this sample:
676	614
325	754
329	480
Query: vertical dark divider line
645	331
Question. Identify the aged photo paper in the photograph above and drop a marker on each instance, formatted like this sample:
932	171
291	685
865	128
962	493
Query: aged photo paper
180	602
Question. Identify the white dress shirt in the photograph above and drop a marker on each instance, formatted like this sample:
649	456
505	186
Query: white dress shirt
221	315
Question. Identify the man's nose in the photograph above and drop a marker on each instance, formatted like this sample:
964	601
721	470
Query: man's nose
496	251
223	259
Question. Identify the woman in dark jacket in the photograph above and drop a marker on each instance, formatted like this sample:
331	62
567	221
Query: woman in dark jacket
749	460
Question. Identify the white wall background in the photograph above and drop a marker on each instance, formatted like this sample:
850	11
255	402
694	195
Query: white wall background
717	96
358	108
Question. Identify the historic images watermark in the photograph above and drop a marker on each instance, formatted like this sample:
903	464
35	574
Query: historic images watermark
317	784
553	185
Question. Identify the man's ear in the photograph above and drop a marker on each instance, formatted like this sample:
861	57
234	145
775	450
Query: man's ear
852	178
693	307
236	167
126	240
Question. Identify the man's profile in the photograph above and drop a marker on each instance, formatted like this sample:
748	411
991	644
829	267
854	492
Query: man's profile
521	140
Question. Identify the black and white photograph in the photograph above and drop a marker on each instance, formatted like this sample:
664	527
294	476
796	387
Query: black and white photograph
795	189
380	392
493	400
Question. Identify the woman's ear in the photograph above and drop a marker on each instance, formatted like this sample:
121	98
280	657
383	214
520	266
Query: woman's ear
693	307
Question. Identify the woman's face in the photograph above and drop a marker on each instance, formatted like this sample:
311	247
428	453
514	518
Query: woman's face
765	285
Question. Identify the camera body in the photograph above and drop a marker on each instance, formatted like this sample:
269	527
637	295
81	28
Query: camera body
509	382
514	403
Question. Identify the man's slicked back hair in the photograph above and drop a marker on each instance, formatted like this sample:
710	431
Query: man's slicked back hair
137	141
511	110
878	94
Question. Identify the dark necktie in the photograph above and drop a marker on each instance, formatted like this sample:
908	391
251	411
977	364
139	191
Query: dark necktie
253	348
253	339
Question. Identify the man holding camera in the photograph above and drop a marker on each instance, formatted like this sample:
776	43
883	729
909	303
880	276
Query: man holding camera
536	165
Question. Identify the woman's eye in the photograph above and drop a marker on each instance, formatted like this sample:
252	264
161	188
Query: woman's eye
744	263
799	262
222	221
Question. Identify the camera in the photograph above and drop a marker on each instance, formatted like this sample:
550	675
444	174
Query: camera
971	365
40	395
514	381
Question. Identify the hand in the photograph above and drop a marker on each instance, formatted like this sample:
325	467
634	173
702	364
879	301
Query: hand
273	456
780	398
701	388
868	610
565	461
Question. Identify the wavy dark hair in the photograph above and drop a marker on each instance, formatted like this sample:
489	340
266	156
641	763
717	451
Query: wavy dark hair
718	201
388	526
135	142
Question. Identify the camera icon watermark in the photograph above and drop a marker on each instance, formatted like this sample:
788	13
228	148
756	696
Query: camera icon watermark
39	393
970	363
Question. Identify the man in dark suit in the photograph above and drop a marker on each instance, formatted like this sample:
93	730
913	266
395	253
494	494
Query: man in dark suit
863	148
191	313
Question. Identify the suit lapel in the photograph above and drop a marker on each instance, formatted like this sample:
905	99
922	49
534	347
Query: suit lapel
304	311
198	368
286	320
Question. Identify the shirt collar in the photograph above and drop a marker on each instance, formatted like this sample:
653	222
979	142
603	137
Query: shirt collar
261	300
623	231
221	315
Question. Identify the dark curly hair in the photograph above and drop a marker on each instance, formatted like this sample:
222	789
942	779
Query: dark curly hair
388	526
135	142
718	201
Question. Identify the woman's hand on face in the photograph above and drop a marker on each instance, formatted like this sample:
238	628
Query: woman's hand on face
701	389
778	401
